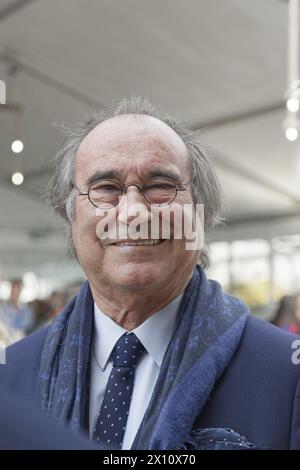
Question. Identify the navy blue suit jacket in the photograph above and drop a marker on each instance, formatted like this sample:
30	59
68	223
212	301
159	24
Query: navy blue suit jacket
24	427
258	395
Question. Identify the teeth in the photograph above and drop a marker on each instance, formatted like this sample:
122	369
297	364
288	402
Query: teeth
139	243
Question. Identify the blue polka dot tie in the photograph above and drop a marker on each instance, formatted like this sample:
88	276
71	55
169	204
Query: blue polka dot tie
112	419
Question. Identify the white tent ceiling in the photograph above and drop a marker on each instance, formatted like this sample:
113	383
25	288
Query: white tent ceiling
219	66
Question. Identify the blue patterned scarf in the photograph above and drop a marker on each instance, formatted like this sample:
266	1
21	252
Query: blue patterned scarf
209	329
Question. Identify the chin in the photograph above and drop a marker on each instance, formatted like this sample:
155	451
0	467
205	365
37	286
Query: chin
138	277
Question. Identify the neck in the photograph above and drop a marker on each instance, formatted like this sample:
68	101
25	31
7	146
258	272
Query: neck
130	308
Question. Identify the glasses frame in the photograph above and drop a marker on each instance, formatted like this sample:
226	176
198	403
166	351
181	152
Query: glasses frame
124	189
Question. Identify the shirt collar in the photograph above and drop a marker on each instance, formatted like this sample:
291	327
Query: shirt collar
154	333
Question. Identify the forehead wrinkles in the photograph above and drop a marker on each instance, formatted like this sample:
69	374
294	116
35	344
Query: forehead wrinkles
139	146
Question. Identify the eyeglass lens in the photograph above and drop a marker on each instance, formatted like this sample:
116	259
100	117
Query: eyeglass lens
106	193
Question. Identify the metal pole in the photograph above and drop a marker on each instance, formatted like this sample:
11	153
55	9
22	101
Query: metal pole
293	42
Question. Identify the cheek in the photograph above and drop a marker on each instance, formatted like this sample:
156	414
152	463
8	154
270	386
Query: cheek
84	227
181	218
106	226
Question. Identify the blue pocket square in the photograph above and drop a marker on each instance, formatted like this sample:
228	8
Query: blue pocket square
217	439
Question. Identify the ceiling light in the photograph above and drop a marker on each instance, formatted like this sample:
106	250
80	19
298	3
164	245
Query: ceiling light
17	178
292	105
291	134
17	146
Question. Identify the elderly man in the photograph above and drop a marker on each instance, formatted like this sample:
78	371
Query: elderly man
150	354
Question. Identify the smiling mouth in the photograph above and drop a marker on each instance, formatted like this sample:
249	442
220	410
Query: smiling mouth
139	242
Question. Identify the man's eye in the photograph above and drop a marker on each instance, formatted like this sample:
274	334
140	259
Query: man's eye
160	186
109	187
106	188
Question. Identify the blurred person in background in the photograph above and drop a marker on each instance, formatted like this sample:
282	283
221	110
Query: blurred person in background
297	313
284	316
14	314
287	315
41	314
150	352
6	336
44	311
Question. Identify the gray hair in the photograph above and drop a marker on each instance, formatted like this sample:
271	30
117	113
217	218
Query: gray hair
204	182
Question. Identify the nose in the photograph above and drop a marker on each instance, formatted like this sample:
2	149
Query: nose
133	206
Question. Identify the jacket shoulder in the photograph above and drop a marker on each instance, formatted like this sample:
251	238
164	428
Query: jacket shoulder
269	346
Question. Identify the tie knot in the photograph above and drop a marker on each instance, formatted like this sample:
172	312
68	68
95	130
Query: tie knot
127	351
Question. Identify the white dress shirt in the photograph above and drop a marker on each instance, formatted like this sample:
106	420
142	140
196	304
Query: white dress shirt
155	334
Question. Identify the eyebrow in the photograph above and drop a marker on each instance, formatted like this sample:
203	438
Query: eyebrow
162	172
116	174
99	175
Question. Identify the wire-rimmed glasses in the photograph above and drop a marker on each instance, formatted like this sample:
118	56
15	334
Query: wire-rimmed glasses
105	194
